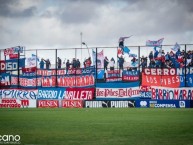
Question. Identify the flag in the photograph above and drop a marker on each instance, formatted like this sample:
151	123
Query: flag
157	43
121	41
123	38
100	59
126	50
33	55
176	47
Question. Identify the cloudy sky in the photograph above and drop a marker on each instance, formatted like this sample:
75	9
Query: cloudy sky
40	24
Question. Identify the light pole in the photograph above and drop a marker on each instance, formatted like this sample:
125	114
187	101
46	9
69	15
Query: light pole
83	43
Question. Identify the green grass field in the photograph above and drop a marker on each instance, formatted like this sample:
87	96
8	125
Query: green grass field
115	126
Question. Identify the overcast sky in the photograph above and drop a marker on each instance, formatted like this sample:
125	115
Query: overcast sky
40	24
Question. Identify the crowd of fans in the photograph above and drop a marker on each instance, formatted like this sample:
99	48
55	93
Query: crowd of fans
160	59
156	59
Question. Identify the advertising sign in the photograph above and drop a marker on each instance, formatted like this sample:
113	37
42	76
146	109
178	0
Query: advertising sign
162	103
72	104
48	103
109	104
17	103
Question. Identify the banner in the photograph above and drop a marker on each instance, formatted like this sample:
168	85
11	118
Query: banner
72	104
51	93
76	81
26	81
5	79
79	93
100	59
167	77
109	104
113	76
145	92
18	94
16	103
157	43
162	93
130	75
44	72
117	90
48	103
11	64
13	50
162	103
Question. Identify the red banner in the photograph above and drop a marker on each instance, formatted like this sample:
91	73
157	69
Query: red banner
72	104
29	70
164	81
48	104
79	93
13	56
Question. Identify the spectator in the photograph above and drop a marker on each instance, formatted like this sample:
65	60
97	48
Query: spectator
67	66
73	63
48	64
167	57
77	63
88	62
106	62
59	63
42	64
112	64
121	62
151	56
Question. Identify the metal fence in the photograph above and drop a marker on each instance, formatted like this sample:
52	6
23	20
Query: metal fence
136	59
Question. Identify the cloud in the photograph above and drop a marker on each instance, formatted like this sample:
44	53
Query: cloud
12	8
58	23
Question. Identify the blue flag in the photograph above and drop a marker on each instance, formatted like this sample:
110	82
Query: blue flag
126	50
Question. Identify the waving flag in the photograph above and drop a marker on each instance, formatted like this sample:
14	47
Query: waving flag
121	41
126	50
157	43
176	47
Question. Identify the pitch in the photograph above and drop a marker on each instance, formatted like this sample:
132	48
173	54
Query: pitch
100	126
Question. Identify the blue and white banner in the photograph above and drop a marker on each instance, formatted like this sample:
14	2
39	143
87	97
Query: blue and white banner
51	93
162	103
18	94
117	90
130	75
12	64
5	79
